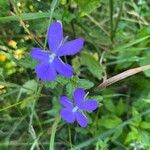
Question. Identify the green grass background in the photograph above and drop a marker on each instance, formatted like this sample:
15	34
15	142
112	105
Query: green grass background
117	38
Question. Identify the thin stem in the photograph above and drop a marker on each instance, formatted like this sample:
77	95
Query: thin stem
54	127
70	137
23	24
31	128
111	19
97	23
118	18
86	31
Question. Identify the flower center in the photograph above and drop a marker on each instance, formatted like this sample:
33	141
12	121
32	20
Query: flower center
51	57
75	109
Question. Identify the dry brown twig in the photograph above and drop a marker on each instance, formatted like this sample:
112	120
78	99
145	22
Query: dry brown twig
123	75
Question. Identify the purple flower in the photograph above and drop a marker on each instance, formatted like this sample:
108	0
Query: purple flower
50	62
72	112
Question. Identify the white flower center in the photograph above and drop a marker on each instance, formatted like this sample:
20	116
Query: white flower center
75	109
51	57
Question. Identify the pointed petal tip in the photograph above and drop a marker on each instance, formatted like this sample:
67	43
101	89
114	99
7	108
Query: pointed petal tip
56	23
81	119
81	39
59	21
71	47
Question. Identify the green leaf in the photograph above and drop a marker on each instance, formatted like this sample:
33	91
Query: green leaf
120	108
59	80
62	80
27	102
86	84
99	98
76	64
102	144
110	105
51	84
146	61
87	6
107	133
29	87
132	135
137	119
75	82
145	125
92	64
109	121
27	62
70	88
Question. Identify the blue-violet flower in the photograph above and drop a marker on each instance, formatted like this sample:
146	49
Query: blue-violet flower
74	111
50	62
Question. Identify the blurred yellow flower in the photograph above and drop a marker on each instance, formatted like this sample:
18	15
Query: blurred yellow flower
2	89
2	86
2	57
18	54
12	44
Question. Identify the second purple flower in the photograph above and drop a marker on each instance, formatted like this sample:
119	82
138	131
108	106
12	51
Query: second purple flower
74	111
50	62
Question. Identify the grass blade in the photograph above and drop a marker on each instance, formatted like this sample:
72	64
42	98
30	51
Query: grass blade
54	127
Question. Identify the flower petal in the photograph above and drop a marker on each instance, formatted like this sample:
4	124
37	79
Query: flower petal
67	115
62	68
55	36
65	101
45	71
79	96
81	119
39	54
89	105
70	48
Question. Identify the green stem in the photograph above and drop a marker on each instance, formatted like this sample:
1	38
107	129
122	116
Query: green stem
54	127
118	18
111	19
31	128
69	130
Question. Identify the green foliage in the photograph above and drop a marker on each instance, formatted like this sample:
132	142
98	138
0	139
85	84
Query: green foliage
109	121
117	38
92	64
29	87
144	61
4	6
87	6
76	82
27	63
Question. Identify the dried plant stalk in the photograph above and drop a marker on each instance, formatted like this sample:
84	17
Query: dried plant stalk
123	75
